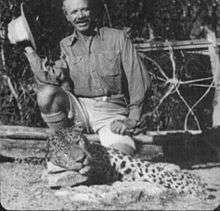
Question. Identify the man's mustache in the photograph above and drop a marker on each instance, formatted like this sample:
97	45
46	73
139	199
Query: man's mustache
82	20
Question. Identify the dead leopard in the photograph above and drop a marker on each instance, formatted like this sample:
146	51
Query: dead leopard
108	165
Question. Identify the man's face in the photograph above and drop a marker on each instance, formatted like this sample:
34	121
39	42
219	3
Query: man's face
79	14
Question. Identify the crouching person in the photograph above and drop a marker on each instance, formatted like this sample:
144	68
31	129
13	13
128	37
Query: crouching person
99	76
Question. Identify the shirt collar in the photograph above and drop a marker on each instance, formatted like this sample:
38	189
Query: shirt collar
75	36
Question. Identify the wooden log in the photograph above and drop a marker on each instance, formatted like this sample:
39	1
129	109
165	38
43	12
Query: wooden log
30	133
181	45
19	141
21	132
181	148
215	64
22	148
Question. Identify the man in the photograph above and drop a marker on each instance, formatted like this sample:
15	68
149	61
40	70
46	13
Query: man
106	74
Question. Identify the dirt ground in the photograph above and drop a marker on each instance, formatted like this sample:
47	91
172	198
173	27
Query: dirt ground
23	189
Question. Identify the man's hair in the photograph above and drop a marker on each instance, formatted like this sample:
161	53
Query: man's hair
96	6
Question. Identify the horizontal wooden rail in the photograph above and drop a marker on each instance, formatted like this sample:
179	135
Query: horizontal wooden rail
178	45
29	142
34	133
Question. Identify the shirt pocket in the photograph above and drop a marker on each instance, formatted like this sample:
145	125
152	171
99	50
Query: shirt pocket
78	71
77	65
77	60
110	63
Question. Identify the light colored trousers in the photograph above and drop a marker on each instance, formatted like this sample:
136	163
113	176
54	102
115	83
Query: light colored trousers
100	114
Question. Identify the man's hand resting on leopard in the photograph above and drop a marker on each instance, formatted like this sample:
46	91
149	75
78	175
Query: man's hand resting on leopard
125	126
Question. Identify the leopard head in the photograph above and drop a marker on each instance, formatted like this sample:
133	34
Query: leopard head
67	148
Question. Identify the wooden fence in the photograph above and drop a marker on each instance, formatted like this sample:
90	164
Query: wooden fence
17	137
209	46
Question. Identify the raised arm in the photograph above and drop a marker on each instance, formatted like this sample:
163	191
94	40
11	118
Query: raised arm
54	75
44	74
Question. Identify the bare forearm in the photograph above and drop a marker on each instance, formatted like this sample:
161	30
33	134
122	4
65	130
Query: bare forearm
38	68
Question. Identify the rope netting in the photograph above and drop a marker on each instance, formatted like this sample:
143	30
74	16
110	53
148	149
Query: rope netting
174	84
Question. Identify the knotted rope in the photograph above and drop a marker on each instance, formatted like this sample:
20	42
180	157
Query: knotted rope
174	84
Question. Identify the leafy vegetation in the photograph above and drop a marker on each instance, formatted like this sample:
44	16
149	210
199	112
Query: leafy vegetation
148	19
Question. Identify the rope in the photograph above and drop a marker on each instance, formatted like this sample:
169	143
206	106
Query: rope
190	111
196	80
157	65
174	85
200	99
202	85
172	59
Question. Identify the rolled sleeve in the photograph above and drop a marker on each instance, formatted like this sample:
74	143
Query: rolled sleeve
46	74
137	77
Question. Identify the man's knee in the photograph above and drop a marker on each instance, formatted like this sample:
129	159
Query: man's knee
127	149
52	99
125	144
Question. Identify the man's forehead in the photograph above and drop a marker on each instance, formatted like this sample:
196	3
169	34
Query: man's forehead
75	3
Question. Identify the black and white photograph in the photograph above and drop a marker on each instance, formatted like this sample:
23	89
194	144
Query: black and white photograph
110	105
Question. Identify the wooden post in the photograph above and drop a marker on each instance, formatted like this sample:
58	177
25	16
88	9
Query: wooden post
215	64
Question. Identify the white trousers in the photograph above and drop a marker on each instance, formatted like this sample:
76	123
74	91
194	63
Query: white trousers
100	114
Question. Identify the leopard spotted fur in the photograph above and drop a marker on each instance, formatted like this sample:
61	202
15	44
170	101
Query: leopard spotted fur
108	165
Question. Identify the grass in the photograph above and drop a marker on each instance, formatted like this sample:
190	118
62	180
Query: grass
23	189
